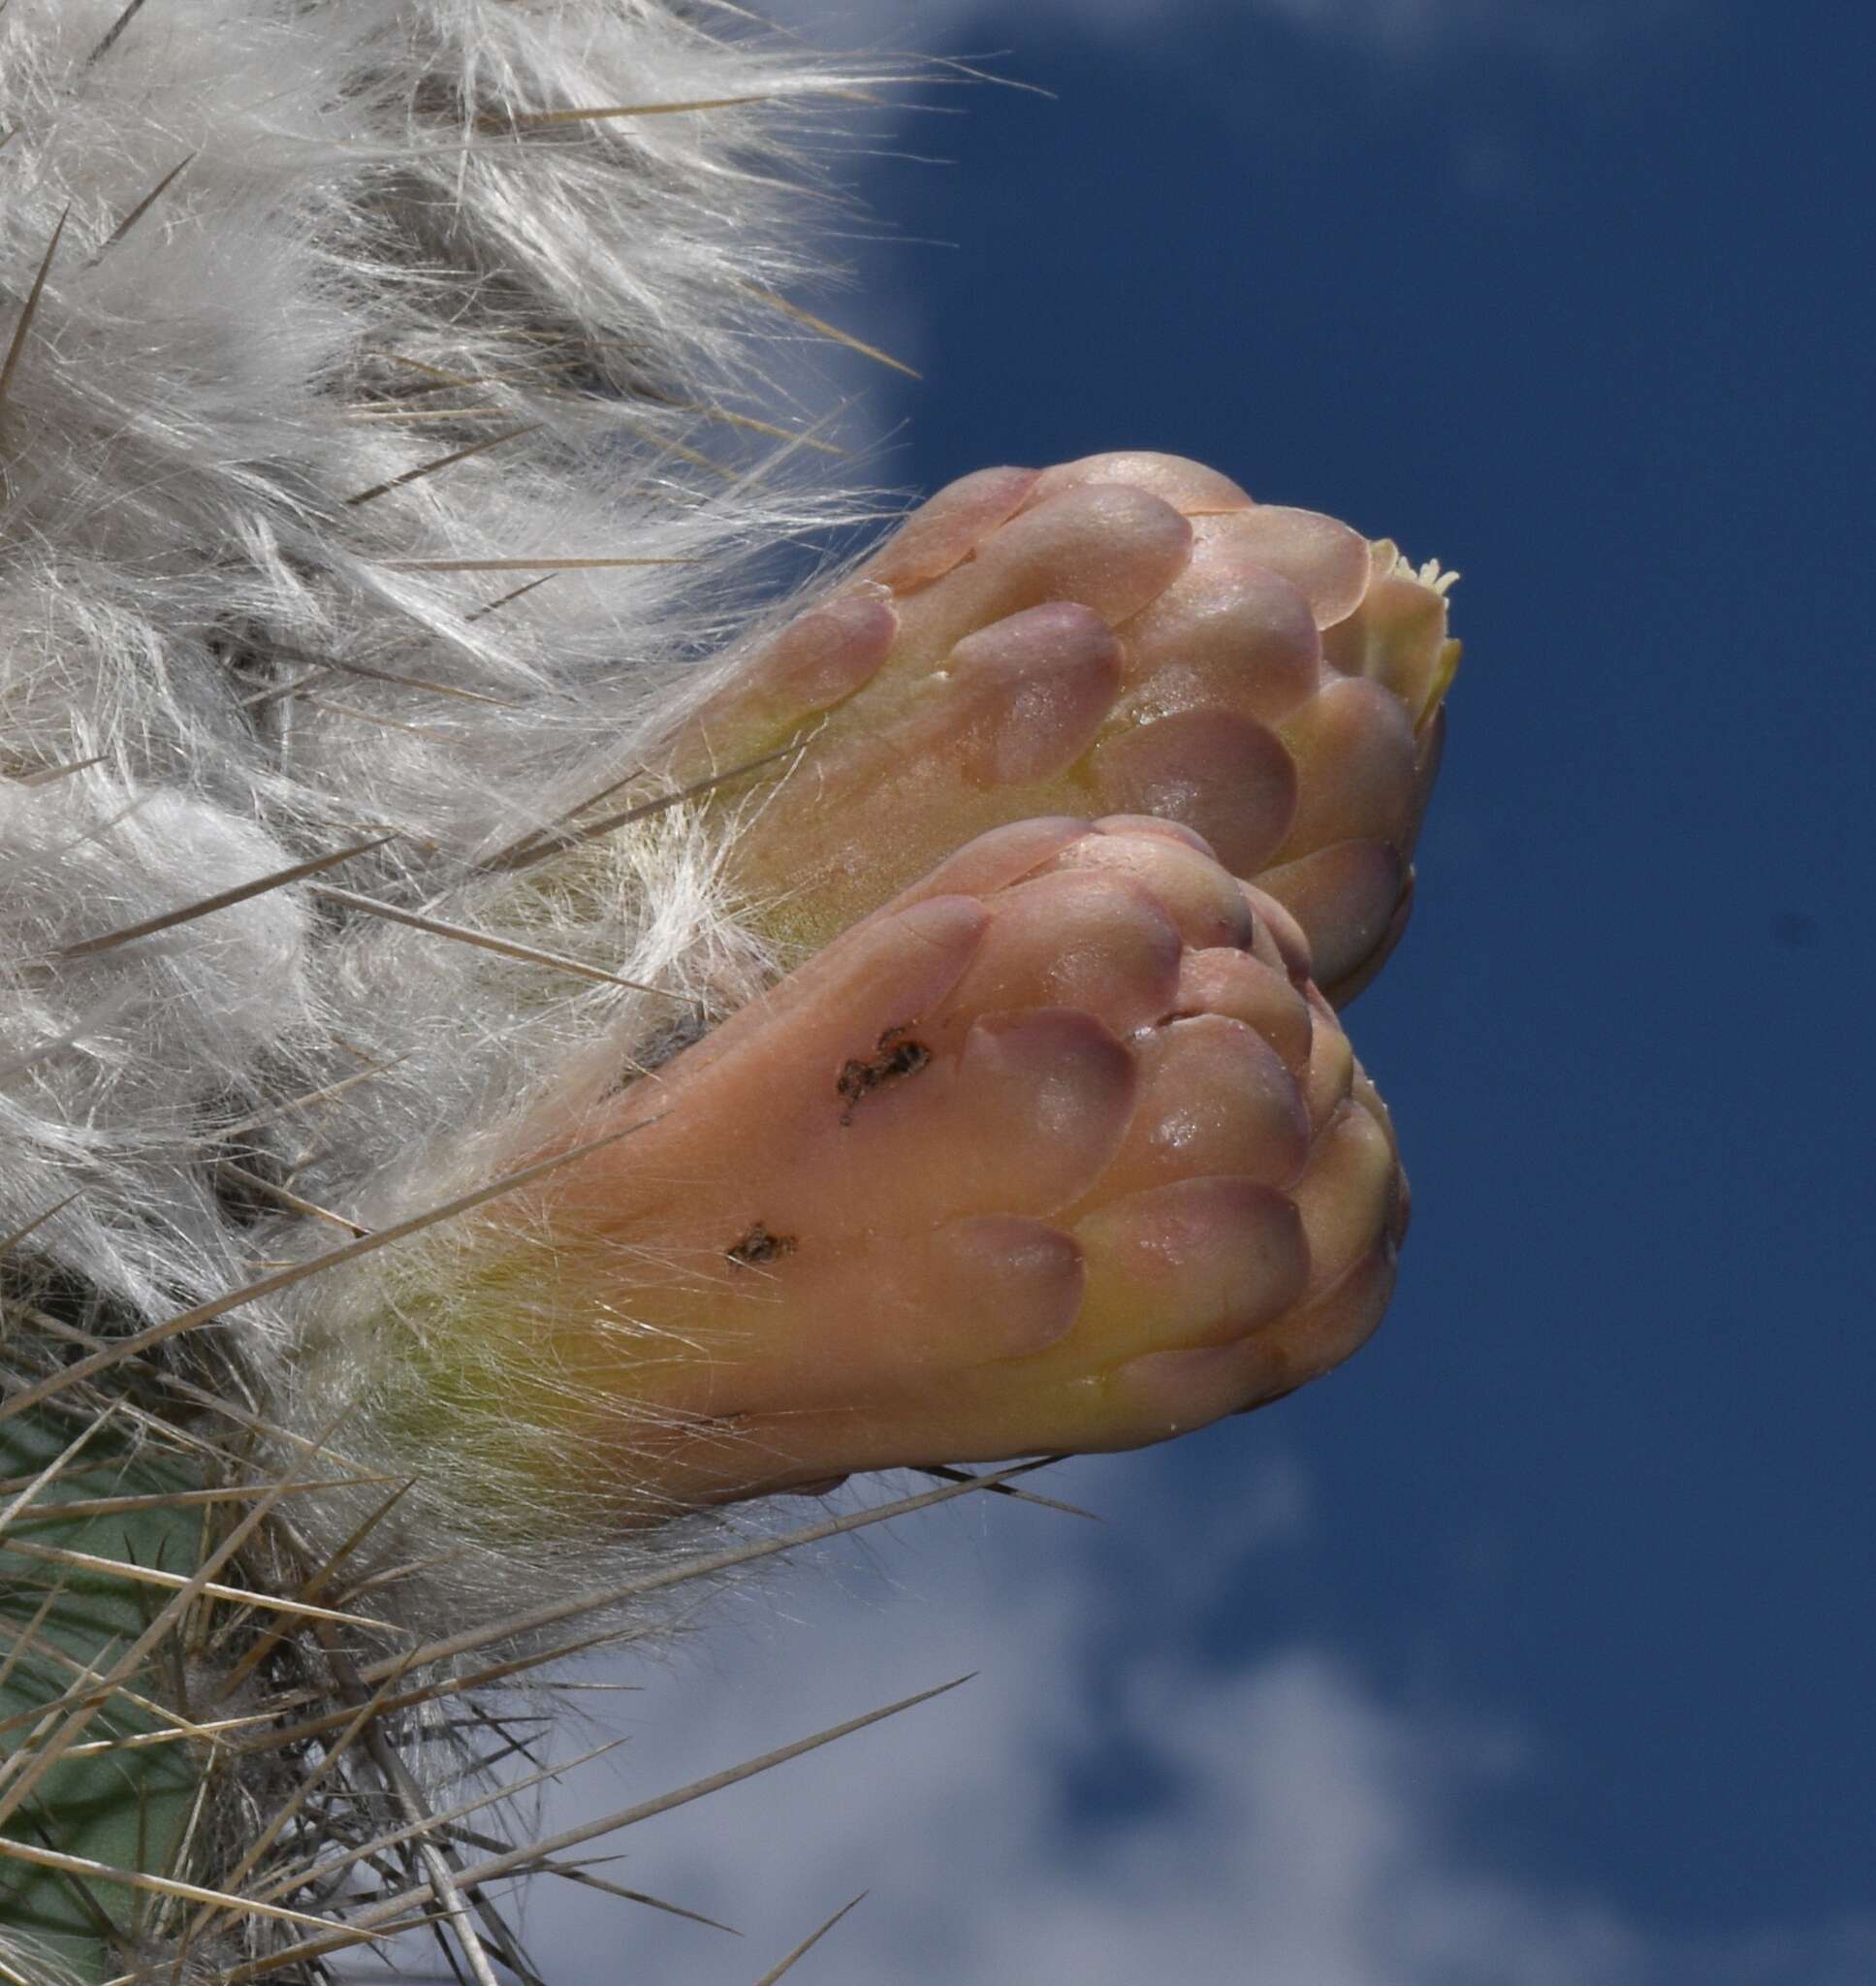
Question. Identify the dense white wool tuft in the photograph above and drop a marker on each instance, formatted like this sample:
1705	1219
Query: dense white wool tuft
300	252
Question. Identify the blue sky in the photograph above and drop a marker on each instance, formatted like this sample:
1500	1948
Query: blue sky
1535	1645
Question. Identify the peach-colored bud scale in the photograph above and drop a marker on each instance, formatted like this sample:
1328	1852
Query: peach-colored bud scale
1010	1154
1127	634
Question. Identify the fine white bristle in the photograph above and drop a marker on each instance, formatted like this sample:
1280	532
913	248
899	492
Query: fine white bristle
402	411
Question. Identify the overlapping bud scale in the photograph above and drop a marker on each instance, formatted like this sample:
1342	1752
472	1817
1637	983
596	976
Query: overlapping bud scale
1127	634
1062	1149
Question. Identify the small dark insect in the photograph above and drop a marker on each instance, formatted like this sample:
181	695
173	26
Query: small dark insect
897	1057
758	1246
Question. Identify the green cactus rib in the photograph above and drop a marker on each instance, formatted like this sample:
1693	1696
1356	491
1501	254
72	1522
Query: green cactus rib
124	1799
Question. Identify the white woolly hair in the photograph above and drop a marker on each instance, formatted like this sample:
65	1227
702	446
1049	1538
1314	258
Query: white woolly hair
388	453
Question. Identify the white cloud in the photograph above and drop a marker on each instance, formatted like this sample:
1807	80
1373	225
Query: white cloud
1302	1828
